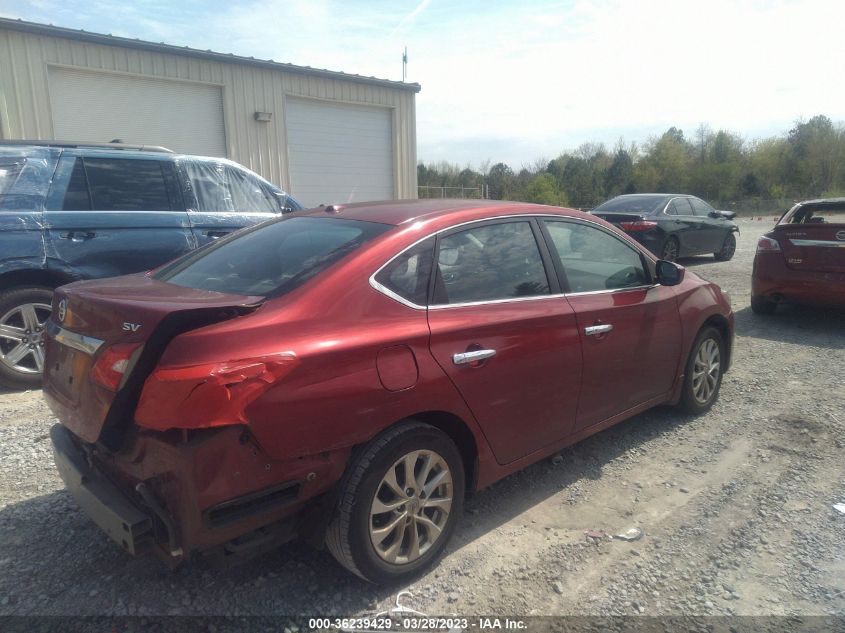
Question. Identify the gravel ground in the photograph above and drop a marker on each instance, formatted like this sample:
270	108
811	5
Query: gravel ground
736	507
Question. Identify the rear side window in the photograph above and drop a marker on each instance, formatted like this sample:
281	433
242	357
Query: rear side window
490	262
682	206
271	259
408	275
594	260
128	185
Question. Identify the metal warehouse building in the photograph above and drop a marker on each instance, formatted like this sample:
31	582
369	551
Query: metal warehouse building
323	136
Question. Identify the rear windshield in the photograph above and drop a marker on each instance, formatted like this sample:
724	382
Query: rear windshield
271	259
819	214
631	204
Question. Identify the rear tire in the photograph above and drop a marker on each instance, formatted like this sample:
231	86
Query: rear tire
761	305
23	314
703	375
728	248
380	531
671	249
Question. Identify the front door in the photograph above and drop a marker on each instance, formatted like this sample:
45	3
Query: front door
505	336
630	328
109	216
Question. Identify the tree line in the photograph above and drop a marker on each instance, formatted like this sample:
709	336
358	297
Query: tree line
721	167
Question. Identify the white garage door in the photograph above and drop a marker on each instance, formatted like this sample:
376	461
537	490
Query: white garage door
89	106
339	153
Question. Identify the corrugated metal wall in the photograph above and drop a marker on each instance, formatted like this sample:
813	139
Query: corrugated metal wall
25	102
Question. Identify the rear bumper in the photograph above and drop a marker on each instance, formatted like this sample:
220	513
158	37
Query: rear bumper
173	496
103	502
773	279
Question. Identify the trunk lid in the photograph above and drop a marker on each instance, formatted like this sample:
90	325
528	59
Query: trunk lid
813	247
91	317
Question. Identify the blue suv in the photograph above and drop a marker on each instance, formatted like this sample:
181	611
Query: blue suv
71	211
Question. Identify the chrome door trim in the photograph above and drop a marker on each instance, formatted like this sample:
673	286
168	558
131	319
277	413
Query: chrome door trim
525	217
822	243
87	344
592	330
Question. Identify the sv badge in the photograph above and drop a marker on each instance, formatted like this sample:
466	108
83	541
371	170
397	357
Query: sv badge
131	327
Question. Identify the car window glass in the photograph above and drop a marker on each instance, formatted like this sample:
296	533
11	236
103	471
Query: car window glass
408	275
247	193
671	209
682	206
9	172
209	186
77	197
700	207
117	184
271	258
823	215
485	263
595	260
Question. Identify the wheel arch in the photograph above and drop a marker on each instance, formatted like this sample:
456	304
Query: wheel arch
721	323
27	277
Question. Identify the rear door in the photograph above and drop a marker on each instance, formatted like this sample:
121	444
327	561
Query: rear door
712	230
223	198
817	242
505	336
109	215
629	327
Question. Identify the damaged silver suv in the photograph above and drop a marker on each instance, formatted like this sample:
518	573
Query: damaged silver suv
71	211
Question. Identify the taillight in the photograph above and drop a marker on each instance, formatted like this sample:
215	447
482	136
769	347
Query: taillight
638	225
767	245
207	395
112	364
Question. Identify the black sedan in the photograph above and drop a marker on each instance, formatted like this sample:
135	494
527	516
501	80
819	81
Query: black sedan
672	225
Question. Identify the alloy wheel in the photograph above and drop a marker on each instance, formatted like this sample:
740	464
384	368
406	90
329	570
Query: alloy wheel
728	248
411	507
705	371
670	250
22	337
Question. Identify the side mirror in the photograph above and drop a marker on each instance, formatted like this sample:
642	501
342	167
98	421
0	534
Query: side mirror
669	273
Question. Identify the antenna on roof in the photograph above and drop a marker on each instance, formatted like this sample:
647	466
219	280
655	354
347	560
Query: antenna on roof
404	63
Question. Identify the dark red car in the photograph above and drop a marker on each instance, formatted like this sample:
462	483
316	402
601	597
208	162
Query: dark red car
350	373
802	260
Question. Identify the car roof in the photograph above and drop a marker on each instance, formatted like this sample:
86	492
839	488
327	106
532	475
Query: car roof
398	212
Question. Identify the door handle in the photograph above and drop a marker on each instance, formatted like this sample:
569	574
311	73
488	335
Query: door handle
474	356
215	234
78	236
592	330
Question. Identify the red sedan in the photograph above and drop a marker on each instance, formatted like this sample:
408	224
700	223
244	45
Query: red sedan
349	373
802	260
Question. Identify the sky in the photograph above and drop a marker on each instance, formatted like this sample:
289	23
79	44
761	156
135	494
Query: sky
517	82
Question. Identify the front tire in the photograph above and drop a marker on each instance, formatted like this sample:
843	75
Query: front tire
398	504
23	315
728	248
703	376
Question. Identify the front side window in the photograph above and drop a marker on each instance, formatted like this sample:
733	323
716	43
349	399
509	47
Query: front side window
271	259
248	194
595	260
408	275
119	184
700	207
490	262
